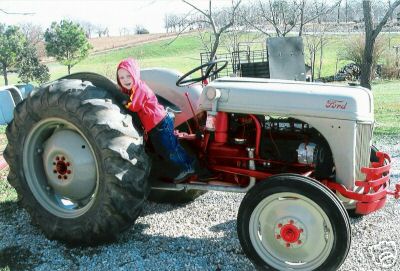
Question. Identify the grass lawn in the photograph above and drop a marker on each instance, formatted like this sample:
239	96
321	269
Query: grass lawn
387	107
184	54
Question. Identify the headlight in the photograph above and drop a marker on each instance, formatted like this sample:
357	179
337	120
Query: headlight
212	93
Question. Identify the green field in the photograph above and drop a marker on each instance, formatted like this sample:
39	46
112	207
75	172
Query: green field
387	107
184	54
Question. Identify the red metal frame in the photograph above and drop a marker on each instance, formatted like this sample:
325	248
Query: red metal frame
375	186
230	160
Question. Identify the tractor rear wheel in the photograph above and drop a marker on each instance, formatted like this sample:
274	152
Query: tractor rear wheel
291	222
77	162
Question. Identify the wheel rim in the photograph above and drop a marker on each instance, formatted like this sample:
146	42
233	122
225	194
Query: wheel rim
290	231
60	168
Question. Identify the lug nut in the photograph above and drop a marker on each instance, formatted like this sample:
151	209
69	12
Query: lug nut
299	242
278	237
287	244
68	164
65	177
59	176
63	158
57	158
279	225
68	171
54	171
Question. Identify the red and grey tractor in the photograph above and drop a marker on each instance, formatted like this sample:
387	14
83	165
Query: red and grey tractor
301	152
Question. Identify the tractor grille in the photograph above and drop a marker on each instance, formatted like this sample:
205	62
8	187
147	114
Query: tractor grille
363	148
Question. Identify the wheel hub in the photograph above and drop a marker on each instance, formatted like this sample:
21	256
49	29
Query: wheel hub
290	233
69	165
62	168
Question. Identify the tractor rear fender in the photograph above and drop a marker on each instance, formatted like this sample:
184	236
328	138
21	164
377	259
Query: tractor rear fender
162	82
99	81
9	97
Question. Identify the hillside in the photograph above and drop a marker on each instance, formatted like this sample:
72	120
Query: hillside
104	44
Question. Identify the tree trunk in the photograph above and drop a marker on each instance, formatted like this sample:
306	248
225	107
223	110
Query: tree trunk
215	47
370	36
5	75
302	18
313	65
69	69
366	64
320	57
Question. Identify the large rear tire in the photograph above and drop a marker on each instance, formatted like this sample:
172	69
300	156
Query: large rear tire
291	222
77	162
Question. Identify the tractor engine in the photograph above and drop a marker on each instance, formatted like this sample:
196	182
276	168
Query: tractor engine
278	145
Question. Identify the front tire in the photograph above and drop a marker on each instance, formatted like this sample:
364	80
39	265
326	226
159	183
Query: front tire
291	222
77	162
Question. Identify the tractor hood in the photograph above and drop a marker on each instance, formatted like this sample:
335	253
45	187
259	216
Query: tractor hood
291	98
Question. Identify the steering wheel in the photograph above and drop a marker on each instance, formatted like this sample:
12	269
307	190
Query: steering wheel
183	81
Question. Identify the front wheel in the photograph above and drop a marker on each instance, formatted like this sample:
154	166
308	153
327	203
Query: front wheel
291	222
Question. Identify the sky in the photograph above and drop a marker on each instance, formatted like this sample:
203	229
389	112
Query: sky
112	14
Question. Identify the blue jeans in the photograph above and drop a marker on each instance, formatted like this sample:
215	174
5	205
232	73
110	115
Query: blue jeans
166	145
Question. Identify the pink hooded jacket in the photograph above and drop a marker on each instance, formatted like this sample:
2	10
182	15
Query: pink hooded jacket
142	100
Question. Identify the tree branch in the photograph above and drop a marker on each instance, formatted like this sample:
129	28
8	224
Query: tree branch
389	13
196	8
16	13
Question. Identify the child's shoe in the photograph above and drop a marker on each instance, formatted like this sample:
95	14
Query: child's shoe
184	175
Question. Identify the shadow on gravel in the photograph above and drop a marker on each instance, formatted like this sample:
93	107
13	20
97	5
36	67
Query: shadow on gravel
182	252
224	227
8	209
18	258
150	208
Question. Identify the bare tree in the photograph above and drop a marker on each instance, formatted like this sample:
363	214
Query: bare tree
285	15
315	43
371	34
33	33
167	24
88	27
100	30
311	11
124	31
172	21
106	32
282	15
241	34
219	27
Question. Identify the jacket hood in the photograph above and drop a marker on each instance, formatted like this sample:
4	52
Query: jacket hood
133	68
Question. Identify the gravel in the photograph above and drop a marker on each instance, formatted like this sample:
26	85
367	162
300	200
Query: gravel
196	236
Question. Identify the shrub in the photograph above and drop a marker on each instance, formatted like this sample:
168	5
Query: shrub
354	50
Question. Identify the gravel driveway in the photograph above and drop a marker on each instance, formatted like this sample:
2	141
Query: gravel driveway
197	236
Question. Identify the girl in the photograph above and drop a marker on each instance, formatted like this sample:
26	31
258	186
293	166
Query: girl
155	120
